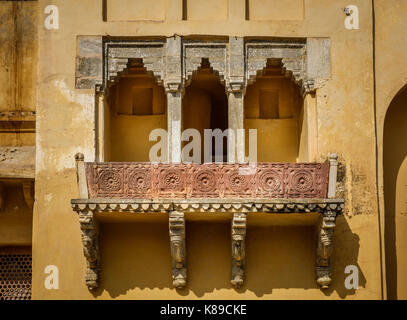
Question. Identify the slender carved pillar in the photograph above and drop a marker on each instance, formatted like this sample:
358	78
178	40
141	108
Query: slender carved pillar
100	123
174	89
177	242
90	241
238	249
235	115
174	98
325	245
236	86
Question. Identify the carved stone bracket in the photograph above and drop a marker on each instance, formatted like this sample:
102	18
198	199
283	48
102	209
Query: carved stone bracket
177	242
328	208
325	245
90	241
238	249
28	192
1	195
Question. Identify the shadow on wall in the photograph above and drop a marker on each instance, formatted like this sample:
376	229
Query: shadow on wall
138	256
395	181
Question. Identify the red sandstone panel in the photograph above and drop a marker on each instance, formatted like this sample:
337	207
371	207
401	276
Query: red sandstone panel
187	181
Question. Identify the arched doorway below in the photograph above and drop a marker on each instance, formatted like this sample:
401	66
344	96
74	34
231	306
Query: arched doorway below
395	196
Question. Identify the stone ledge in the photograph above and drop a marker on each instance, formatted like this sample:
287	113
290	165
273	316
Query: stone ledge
210	205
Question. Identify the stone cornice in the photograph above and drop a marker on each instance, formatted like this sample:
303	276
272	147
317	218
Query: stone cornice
209	205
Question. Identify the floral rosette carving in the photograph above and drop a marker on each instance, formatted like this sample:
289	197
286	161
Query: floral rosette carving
237	184
172	182
109	182
270	183
301	183
139	181
205	183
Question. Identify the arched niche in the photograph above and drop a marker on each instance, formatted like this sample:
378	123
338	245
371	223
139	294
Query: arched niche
205	105
395	195
274	106
135	104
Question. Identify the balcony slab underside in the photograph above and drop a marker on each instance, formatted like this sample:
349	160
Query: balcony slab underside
209	205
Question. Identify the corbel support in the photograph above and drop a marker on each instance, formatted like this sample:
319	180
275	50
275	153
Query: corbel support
28	191
325	245
90	241
238	249
177	242
1	195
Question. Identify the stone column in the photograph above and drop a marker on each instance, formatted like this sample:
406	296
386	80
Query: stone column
174	99
174	89
178	252
100	123
238	249
236	86
90	241
325	245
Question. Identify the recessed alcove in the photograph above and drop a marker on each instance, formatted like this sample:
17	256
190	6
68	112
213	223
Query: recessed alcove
135	105
205	105
273	105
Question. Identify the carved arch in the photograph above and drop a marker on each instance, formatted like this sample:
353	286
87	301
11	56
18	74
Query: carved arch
305	62
118	53
214	52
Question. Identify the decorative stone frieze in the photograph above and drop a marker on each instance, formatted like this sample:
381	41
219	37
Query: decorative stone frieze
178	252
238	249
146	180
100	60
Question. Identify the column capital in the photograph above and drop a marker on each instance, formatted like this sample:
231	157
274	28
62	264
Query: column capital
174	87
100	89
236	87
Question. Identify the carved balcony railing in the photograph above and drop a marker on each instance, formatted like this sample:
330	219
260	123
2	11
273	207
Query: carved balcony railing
179	189
126	180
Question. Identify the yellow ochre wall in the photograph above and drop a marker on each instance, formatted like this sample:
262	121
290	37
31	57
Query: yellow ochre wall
345	125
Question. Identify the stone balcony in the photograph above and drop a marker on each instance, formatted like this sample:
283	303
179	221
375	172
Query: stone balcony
182	189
